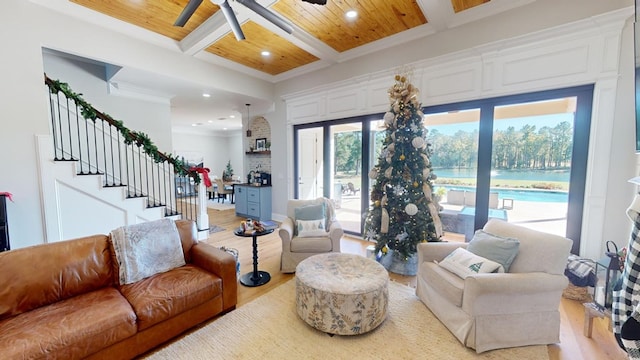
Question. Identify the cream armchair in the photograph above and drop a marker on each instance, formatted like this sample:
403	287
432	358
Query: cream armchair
499	310
296	248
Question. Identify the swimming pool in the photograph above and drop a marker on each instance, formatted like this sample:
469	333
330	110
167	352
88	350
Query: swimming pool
521	194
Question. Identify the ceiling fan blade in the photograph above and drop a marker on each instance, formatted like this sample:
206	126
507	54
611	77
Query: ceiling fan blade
262	11
232	20
187	12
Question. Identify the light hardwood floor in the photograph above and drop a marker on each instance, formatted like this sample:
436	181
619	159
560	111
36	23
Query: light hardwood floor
573	344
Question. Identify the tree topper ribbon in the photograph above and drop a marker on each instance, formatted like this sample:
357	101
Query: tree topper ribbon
7	194
205	174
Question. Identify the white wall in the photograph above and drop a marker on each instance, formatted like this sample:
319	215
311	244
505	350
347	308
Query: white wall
216	149
489	63
151	118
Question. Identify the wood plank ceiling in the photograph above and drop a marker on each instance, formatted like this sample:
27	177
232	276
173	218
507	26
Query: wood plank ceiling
320	32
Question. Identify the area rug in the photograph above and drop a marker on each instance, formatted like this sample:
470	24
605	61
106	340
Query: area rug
215	229
225	205
269	328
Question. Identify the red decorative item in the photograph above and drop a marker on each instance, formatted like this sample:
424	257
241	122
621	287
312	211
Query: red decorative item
8	195
205	174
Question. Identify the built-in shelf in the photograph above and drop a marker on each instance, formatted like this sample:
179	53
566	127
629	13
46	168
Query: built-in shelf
266	152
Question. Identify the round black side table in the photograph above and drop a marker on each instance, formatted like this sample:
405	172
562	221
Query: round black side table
254	278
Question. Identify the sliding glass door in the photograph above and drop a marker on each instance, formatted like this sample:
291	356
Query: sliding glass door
521	158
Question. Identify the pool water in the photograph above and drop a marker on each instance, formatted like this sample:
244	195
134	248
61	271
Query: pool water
522	194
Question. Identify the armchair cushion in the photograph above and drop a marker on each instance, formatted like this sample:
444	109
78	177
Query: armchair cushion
464	263
502	250
310	228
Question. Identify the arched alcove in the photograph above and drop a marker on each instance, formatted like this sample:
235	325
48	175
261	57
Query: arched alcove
258	146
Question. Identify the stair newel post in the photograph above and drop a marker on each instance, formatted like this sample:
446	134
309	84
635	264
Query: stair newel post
203	216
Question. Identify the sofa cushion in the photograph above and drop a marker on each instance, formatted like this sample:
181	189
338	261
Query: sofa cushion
446	283
464	263
44	274
69	329
502	250
167	294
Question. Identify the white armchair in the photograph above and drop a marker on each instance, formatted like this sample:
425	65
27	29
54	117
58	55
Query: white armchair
296	248
499	310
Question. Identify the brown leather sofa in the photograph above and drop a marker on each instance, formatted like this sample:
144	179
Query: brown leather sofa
63	300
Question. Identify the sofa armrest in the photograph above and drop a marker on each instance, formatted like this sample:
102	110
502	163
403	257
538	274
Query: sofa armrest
221	263
437	251
512	292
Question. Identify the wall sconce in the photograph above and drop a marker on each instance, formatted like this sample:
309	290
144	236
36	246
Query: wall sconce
248	121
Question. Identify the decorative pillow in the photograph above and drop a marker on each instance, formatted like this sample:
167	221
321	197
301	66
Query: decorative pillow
146	249
310	228
502	250
310	212
464	263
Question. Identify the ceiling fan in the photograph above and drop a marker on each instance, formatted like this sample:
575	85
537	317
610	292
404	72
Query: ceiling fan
191	7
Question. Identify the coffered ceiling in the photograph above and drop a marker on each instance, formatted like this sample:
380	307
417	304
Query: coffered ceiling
322	34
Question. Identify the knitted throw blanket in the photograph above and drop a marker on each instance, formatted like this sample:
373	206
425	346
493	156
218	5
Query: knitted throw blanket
146	249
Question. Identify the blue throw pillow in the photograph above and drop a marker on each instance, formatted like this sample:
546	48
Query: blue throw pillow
500	249
310	212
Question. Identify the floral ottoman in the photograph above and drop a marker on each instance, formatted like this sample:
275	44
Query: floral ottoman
341	294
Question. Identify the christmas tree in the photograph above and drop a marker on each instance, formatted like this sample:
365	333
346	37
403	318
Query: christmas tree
227	174
403	211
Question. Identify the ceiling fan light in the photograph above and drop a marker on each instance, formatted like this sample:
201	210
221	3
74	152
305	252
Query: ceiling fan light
351	14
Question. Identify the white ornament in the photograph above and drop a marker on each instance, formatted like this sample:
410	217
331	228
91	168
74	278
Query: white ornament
388	118
411	209
417	142
373	173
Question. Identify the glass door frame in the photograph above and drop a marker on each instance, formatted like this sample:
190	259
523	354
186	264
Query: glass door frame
581	130
580	149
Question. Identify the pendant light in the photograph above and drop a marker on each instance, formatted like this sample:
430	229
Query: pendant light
248	121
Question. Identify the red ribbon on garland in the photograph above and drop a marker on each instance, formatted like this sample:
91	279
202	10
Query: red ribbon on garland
7	194
205	174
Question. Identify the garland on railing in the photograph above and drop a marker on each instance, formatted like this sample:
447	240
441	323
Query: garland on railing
141	139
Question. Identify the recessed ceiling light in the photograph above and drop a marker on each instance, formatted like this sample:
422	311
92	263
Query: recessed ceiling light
265	53
224	128
232	116
351	14
206	95
210	121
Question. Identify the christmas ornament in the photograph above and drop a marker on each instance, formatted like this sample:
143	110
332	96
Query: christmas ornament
411	209
418	142
373	173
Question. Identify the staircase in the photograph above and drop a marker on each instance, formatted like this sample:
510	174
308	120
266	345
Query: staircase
97	175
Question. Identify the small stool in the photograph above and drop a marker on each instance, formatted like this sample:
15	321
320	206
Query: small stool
341	294
591	311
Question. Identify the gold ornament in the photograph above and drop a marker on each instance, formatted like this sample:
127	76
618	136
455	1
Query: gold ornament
384	249
402	157
377	203
415	184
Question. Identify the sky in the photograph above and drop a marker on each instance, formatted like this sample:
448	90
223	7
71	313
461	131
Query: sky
503	124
